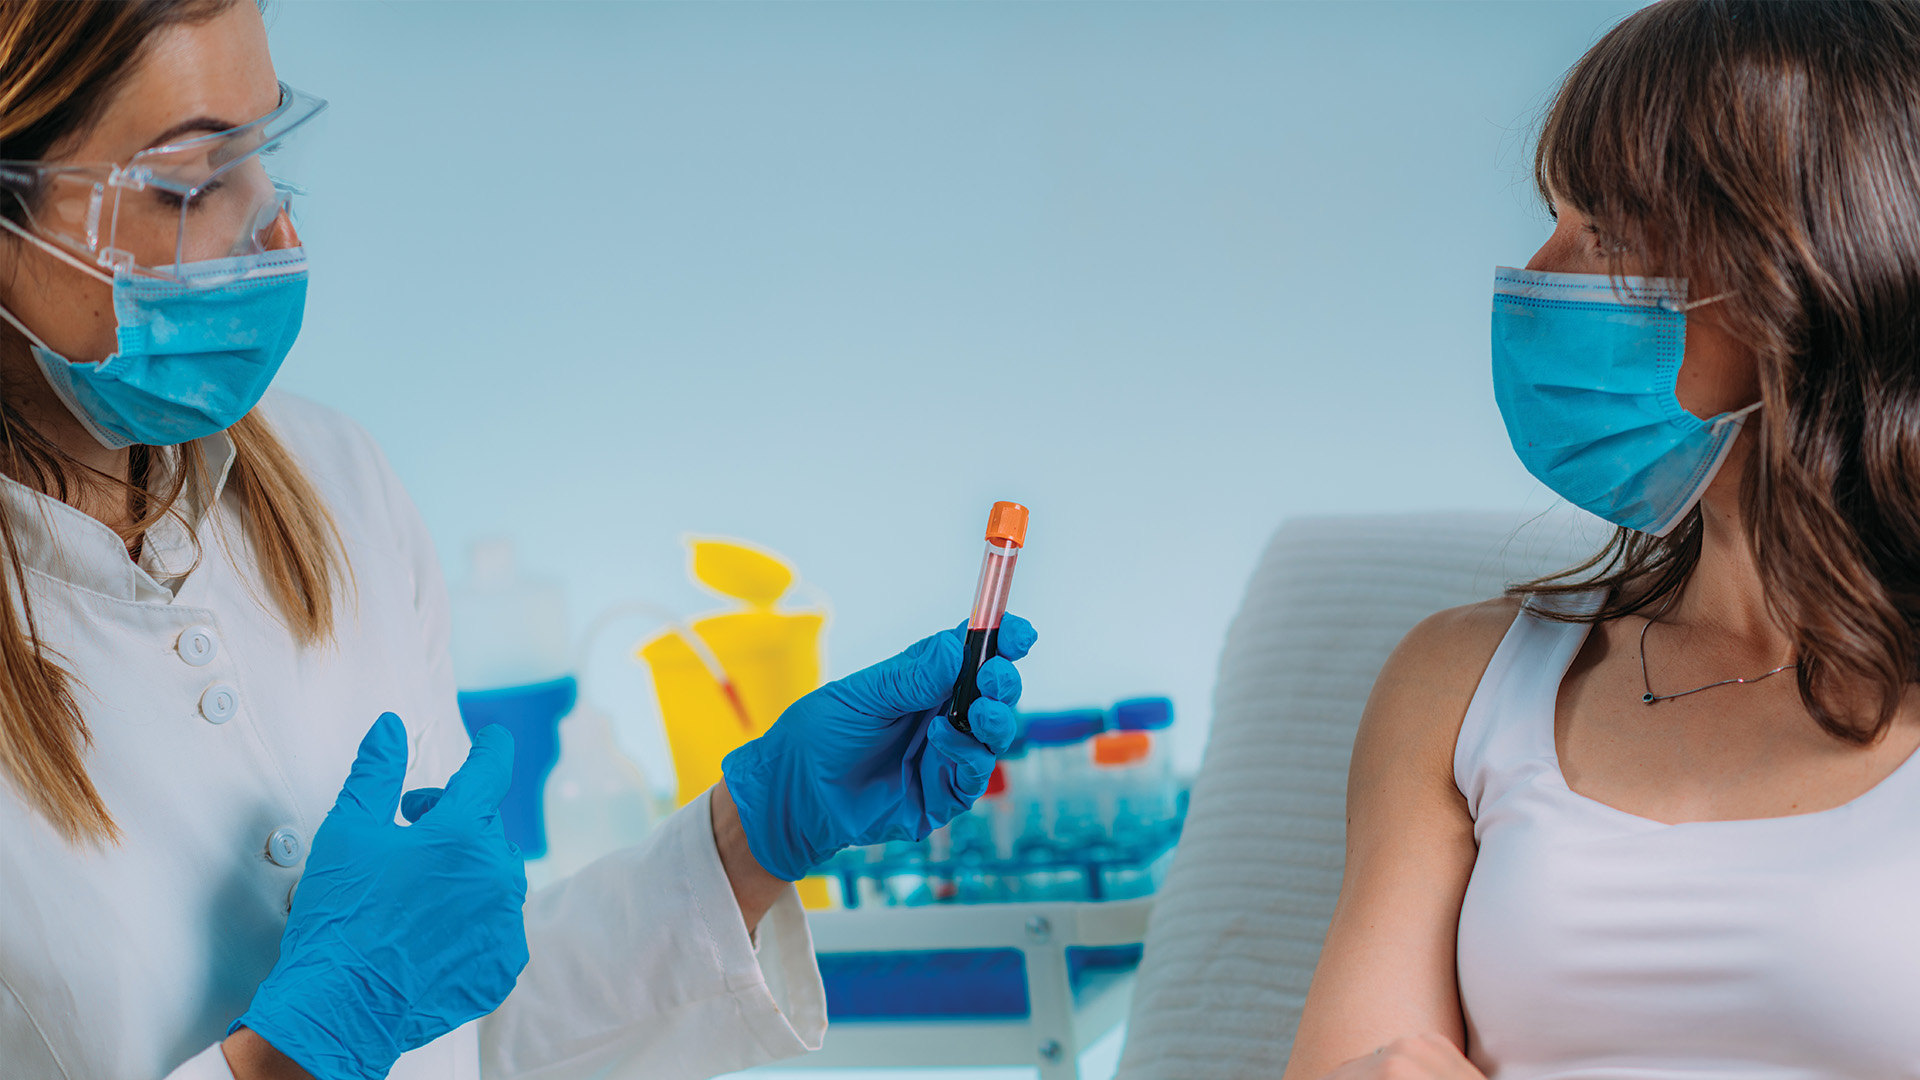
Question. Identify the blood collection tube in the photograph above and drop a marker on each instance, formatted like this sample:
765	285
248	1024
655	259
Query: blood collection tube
1006	532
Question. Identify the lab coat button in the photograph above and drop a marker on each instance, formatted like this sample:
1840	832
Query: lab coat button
284	847
197	645
219	703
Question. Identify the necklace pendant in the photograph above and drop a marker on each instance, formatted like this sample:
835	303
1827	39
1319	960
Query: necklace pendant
1647	698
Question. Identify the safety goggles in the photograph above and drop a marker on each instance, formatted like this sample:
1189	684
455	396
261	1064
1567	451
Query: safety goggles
215	196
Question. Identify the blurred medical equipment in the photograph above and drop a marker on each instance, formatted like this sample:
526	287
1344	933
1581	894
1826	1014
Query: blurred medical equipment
1584	371
1239	920
1134	787
1025	996
397	934
868	759
1073	812
723	679
1059	747
1006	535
596	800
512	665
719	680
1011	936
975	985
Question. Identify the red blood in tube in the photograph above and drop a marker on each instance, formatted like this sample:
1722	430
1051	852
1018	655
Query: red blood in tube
997	782
1006	533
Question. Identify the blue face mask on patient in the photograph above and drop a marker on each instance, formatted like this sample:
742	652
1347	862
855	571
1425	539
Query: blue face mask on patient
1584	370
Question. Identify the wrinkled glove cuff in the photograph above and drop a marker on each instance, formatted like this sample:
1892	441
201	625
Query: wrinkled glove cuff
769	815
328	1019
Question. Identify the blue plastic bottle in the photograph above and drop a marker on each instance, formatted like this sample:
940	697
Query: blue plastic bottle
510	662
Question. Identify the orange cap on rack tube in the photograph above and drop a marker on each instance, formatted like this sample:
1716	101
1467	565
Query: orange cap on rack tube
1121	747
1008	523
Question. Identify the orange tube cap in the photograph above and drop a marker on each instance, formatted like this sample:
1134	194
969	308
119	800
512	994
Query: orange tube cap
1008	523
1121	747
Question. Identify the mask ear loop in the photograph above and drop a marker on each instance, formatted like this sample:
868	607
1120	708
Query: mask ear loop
1689	306
53	250
14	320
57	252
1737	415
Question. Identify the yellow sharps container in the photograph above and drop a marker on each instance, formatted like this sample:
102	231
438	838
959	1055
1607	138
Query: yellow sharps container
756	662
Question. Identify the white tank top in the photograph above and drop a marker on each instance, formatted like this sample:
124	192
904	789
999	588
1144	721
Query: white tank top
1604	946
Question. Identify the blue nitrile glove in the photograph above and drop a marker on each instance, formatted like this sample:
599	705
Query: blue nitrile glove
399	933
865	760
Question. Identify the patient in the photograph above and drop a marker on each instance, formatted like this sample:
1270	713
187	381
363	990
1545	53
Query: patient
1655	817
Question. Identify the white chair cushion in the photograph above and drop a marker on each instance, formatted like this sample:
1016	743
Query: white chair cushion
1237	928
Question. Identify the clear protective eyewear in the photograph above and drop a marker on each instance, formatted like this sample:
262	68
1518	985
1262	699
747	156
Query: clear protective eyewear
215	196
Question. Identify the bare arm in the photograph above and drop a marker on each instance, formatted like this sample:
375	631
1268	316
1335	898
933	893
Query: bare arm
251	1057
1387	970
754	889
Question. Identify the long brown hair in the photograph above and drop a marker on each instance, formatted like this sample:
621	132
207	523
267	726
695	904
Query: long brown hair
60	63
1772	151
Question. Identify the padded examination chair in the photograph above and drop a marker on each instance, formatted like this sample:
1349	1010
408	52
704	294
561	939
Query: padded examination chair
1237	928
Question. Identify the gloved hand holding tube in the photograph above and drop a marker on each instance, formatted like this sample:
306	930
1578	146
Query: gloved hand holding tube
399	933
1006	534
869	758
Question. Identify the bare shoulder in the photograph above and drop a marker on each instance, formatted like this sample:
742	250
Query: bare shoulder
1388	964
1453	646
1423	691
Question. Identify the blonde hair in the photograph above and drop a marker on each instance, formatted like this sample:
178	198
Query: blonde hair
59	64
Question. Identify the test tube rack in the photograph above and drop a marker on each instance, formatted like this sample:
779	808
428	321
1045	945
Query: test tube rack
1065	1014
881	876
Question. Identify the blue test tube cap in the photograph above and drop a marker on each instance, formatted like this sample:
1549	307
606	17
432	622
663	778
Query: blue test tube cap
1143	714
1064	728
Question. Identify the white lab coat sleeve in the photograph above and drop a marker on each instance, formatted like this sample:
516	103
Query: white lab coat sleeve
641	961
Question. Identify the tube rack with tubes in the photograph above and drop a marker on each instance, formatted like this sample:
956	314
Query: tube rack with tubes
1065	818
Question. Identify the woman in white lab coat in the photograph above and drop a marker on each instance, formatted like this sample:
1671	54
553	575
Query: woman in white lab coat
209	600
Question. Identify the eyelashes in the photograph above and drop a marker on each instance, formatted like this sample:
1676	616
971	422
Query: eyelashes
1602	242
173	201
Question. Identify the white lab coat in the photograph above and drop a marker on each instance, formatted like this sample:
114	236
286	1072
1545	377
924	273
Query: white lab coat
213	731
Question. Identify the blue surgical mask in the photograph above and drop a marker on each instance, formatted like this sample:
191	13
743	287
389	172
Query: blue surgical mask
1584	369
195	354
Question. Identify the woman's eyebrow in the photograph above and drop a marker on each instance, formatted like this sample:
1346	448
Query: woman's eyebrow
199	123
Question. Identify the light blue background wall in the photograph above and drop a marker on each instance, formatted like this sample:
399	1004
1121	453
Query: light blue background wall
834	277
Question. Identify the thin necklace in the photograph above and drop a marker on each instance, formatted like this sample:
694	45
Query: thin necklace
1650	697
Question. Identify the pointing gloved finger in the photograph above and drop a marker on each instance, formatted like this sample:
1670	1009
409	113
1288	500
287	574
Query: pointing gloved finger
1017	636
993	723
380	768
477	788
418	801
999	680
971	762
920	678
